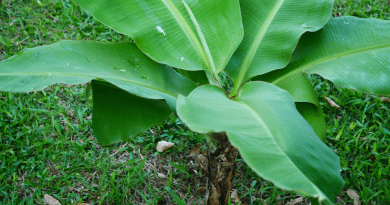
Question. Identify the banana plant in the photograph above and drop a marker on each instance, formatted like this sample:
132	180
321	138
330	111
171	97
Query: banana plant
271	117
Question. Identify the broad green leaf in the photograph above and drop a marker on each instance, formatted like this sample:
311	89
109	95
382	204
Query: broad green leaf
118	115
199	77
305	98
272	30
314	116
74	62
187	34
298	86
271	135
351	52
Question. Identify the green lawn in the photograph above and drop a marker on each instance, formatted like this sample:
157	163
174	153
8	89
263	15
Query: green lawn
47	145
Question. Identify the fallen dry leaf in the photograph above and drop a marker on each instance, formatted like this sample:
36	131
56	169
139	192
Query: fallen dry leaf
254	198
195	151
277	199
164	145
331	102
191	201
385	99
295	201
182	195
234	196
388	1
51	200
204	163
81	203
199	191
140	155
354	196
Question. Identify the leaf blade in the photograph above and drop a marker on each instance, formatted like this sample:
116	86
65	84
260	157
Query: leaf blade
272	30
315	117
351	52
268	132
163	29
75	62
118	115
305	98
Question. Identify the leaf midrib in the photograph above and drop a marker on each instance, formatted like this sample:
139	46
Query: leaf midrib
84	75
259	38
188	31
210	62
327	59
257	116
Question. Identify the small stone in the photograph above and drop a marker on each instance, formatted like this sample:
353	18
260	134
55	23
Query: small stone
164	145
51	200
161	175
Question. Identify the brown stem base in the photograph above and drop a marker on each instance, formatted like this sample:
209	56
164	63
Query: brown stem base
221	170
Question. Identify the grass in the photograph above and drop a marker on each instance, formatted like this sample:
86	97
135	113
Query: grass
47	145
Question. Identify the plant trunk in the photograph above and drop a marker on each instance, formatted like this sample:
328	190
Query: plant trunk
221	169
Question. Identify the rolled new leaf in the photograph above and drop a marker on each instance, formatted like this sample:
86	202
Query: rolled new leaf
191	35
272	30
271	135
75	62
352	52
